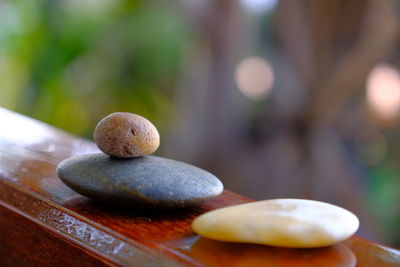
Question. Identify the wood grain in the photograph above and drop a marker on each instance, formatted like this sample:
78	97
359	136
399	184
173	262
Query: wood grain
43	222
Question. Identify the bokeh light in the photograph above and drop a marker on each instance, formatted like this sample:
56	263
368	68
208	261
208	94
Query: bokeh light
258	6
254	77
383	91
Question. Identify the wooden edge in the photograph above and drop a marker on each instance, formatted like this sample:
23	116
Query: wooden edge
73	228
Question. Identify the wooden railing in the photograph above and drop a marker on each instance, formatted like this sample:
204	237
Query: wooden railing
44	223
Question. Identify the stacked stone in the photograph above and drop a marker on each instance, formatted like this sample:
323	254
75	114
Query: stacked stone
125	174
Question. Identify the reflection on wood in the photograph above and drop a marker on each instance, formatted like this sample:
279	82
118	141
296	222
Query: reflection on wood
257	255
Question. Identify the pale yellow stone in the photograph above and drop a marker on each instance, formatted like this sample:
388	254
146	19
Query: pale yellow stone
297	223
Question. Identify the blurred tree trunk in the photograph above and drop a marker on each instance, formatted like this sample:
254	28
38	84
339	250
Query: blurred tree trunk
330	46
206	103
333	47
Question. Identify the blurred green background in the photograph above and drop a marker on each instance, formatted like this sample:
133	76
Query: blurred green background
278	98
69	63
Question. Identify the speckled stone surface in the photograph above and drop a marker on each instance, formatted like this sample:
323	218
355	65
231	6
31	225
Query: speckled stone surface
144	182
126	135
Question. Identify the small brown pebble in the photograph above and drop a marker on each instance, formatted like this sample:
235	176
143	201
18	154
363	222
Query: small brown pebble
126	135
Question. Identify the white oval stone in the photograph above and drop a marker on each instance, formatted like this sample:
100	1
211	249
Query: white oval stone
296	223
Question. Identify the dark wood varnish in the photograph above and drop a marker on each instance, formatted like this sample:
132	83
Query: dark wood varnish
44	223
25	243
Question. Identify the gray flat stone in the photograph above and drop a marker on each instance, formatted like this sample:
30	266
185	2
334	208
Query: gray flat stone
142	182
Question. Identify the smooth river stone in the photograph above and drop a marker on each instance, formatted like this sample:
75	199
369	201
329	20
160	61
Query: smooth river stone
296	223
144	182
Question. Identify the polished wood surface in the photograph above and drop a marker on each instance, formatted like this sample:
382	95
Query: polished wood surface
44	223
